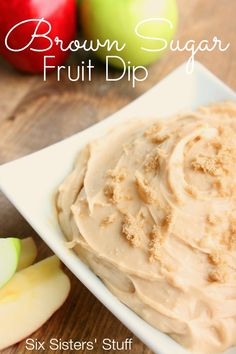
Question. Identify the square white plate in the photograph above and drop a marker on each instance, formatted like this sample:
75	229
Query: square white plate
30	182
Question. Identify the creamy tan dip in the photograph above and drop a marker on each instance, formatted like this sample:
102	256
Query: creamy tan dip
151	208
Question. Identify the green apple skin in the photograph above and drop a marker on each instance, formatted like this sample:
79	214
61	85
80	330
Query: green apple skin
28	253
17	244
117	20
10	249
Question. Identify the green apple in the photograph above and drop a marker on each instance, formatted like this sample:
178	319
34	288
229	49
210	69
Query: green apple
30	298
28	253
146	26
10	249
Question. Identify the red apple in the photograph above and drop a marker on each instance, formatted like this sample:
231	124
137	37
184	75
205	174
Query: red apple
61	14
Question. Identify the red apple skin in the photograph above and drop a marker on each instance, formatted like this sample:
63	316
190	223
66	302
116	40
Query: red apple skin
60	13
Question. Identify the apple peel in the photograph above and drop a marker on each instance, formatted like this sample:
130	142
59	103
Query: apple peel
30	298
10	249
28	253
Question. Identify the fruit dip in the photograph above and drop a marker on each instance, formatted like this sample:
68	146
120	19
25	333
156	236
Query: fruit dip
151	208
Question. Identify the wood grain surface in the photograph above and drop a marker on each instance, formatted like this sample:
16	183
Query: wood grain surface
34	114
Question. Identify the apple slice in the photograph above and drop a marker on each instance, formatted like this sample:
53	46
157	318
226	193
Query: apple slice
28	253
10	249
30	298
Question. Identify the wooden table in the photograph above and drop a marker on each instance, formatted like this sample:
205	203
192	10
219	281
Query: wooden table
34	114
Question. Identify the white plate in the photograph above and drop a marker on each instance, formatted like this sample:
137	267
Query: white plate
30	182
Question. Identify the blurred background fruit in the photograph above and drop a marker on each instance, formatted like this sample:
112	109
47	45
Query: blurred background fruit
116	20
62	16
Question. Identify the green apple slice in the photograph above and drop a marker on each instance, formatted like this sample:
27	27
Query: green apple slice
28	253
10	249
30	298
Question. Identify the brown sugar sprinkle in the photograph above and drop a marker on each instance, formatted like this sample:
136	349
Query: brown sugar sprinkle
159	138
208	165
108	220
218	275
131	229
156	243
213	219
227	156
217	165
117	176
155	135
155	128
147	194
216	258
152	162
157	234
155	253
168	221
216	144
112	192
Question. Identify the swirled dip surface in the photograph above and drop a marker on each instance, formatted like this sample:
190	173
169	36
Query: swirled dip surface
151	208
